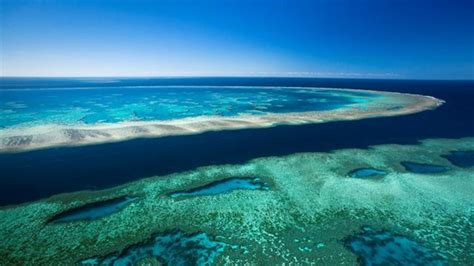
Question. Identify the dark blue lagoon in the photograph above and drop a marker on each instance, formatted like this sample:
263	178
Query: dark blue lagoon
461	158
222	187
92	211
423	168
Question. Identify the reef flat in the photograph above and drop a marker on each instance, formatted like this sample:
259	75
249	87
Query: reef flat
312	212
89	116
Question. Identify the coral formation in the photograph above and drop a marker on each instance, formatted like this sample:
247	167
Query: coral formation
304	218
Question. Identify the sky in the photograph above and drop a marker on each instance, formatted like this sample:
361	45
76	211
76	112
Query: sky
334	38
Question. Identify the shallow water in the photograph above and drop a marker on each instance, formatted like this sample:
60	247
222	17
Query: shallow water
301	220
366	172
222	187
385	248
91	105
304	218
174	248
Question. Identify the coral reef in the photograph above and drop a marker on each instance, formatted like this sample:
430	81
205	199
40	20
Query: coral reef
384	248
311	208
157	112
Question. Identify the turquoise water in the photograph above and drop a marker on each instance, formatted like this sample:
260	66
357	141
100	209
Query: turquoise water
306	211
223	186
366	172
174	248
385	248
93	211
91	105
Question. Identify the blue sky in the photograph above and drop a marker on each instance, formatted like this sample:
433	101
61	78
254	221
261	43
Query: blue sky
354	39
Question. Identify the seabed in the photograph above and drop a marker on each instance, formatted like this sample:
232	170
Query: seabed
310	211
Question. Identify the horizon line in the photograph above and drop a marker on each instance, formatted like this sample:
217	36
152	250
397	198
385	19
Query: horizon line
243	76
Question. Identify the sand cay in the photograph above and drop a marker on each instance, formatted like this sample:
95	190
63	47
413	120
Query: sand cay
24	138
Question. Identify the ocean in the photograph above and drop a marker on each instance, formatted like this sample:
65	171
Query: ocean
312	209
107	165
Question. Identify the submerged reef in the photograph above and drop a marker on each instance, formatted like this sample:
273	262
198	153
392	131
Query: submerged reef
311	208
157	112
423	168
384	248
461	158
93	210
173	248
366	173
222	186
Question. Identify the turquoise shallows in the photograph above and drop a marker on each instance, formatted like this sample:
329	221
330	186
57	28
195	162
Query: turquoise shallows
92	105
93	211
366	173
423	168
223	186
174	248
462	159
385	248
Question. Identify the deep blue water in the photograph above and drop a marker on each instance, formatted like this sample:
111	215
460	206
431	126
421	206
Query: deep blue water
37	174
